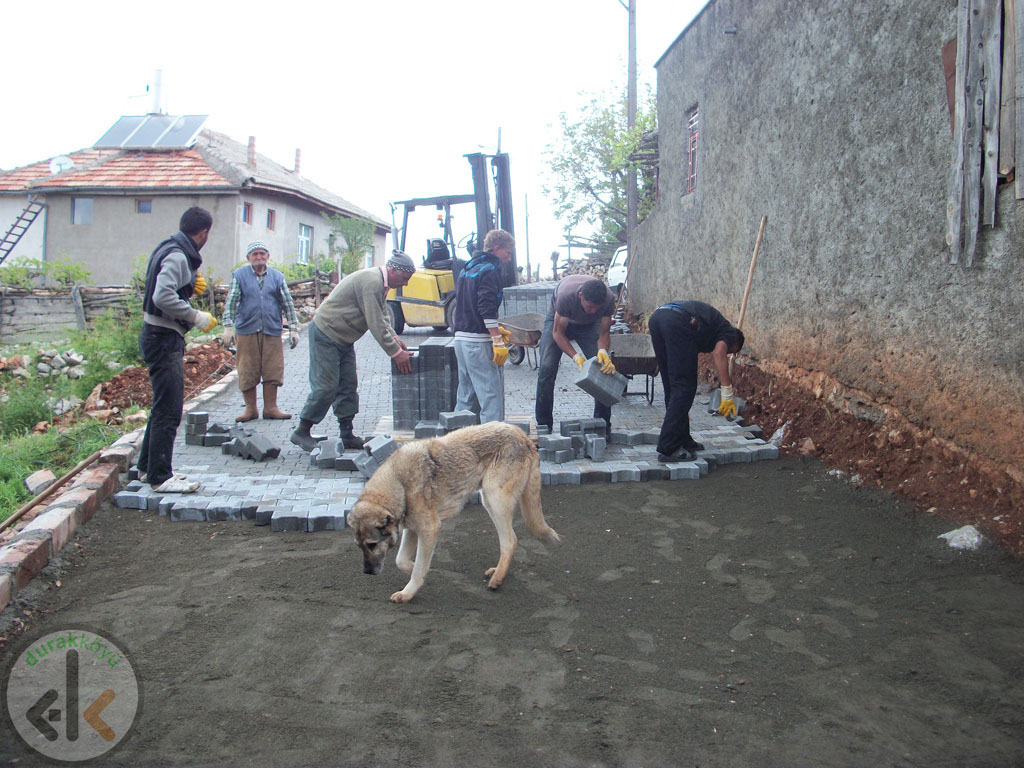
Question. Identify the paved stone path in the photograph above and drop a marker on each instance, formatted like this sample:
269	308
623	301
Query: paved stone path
291	494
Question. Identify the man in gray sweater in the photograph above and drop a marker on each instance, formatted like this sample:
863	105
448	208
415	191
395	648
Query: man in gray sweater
355	306
172	278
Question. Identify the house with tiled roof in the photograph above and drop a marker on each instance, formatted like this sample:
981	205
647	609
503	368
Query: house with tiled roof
106	206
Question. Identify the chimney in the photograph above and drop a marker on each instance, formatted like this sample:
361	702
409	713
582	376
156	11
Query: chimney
158	81
298	161
250	160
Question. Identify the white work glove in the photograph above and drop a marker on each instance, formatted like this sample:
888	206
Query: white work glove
293	340
228	337
205	322
728	405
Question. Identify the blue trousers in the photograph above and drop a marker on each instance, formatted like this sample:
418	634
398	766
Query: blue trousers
332	379
481	382
550	356
163	350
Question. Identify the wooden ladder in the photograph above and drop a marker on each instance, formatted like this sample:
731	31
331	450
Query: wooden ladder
19	227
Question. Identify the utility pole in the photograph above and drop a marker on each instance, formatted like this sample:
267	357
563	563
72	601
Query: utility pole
632	199
526	207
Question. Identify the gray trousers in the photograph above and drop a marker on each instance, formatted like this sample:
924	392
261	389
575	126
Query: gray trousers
332	379
481	382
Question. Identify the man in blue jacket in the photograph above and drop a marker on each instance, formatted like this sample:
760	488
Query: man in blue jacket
480	348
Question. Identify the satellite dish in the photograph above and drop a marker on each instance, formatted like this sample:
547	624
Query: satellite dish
60	164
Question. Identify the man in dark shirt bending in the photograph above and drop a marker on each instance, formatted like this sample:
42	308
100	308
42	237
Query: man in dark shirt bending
679	331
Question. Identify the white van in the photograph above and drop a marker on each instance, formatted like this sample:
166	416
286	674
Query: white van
617	270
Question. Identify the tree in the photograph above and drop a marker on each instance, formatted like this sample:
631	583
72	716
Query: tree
589	163
356	240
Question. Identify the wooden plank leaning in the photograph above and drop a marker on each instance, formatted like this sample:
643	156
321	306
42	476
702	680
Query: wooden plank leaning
955	191
992	53
975	114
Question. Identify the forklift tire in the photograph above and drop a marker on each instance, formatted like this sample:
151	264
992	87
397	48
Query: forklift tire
449	318
516	354
396	316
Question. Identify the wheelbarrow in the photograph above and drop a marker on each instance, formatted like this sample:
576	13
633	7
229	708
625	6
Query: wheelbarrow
524	335
633	355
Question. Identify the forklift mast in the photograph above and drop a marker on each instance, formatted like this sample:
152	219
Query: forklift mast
502	217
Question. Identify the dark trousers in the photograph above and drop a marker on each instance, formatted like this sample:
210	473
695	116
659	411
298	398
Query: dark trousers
333	382
676	350
163	350
550	355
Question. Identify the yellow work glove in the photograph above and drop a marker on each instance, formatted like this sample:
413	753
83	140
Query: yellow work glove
500	351
607	366
205	322
579	360
199	288
728	405
505	334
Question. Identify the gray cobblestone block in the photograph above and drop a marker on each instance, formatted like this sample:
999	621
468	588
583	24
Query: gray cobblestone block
133	473
630	437
425	429
165	504
195	429
624	473
230	448
346	462
753	431
654	472
131	500
218	429
684	470
554	442
261	449
545	476
381	447
328	454
740	456
523	425
197	417
212	440
239	431
565	476
187	511
289	519
606	388
702	465
242	446
543	429
314	455
560	457
220	510
544	453
332	517
247	509
153	502
591	474
452	420
766	452
569	427
366	465
194	439
264	512
135	485
595	447
650	436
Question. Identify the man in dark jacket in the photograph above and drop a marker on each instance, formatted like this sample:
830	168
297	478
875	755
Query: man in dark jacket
172	278
679	331
480	348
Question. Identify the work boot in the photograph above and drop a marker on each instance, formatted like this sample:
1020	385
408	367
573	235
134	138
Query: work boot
250	412
270	409
349	438
303	439
692	445
680	454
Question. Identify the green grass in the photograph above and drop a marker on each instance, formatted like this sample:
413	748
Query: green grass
113	337
53	450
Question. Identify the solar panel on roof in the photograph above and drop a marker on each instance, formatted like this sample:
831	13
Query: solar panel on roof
152	131
119	131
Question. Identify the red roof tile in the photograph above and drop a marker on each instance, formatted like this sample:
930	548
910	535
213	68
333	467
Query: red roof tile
141	170
18	179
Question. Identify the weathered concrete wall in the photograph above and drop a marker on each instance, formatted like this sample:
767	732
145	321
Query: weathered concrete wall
831	119
31	244
40	316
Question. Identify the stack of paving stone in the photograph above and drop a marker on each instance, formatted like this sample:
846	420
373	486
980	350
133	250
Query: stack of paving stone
431	388
332	454
233	441
529	298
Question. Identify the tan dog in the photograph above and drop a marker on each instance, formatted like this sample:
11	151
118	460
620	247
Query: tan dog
428	481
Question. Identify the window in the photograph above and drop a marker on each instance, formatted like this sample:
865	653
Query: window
693	127
143	206
271	218
305	243
368	262
81	210
247	213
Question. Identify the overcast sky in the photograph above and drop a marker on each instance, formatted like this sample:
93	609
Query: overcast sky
383	97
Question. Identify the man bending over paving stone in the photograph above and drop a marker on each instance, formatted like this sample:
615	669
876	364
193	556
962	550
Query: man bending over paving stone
172	278
355	306
257	300
680	330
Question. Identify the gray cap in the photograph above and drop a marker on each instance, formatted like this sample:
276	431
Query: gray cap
400	260
256	245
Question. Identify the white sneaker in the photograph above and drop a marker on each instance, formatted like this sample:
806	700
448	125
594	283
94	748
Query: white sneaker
177	485
144	478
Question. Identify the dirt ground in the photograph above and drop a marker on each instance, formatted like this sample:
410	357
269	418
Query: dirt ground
204	364
766	615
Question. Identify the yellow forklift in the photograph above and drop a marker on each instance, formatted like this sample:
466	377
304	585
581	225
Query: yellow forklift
429	297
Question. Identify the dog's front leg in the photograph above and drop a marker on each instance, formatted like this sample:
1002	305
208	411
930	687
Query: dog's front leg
404	559
425	541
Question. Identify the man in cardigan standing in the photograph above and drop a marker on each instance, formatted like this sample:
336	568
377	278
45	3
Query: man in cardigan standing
355	306
257	300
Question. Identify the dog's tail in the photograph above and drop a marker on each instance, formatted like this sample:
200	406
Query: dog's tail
533	513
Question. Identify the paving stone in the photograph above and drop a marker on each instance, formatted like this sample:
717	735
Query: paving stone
425	429
381	447
289	519
565	476
592	474
195	439
452	420
261	449
346	462
328	454
366	465
264	512
230	448
187	511
623	473
218	429
522	424
594	424
543	429
655	472
554	442
39	481
560	457
131	500
213	440
568	427
606	388
595	447
650	436
136	485
165	504
332	517
197	417
629	437
220	510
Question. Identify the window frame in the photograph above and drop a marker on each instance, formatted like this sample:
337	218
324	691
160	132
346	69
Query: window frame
692	143
247	213
305	243
142	203
271	219
81	216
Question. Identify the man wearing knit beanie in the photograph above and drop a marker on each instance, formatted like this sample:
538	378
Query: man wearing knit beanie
355	306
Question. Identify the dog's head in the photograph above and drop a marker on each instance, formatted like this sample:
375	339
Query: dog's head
376	531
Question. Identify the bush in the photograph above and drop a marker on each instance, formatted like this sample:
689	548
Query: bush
25	408
67	274
21	272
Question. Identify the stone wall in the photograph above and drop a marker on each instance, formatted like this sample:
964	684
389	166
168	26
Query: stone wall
831	118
